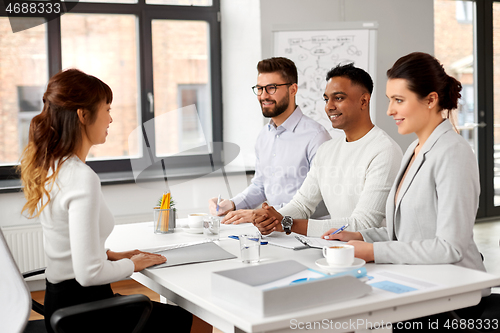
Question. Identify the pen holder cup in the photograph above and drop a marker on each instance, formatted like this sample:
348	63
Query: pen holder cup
164	220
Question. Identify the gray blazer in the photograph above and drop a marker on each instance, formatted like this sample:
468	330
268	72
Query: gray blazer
432	221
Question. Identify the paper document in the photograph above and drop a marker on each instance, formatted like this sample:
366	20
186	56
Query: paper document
202	252
283	240
317	242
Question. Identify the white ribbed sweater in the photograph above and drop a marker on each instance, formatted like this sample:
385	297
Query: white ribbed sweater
353	179
75	225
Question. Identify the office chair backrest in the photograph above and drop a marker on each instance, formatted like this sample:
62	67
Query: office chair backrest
15	298
124	314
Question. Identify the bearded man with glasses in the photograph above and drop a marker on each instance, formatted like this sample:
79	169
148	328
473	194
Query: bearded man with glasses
352	173
284	149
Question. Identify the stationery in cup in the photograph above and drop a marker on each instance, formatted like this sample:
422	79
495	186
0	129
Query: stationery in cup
164	215
339	255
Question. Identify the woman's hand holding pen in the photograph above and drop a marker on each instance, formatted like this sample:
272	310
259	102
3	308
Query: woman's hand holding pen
343	236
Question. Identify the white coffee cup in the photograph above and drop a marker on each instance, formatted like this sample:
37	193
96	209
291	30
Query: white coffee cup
339	255
195	220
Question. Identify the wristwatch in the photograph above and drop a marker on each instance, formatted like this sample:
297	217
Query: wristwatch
287	223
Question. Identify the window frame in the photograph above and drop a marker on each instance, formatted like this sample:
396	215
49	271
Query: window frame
113	171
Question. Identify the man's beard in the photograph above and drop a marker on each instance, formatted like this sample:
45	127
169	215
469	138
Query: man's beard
278	109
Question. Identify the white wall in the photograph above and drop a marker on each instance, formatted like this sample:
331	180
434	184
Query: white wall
404	26
241	51
10	209
134	203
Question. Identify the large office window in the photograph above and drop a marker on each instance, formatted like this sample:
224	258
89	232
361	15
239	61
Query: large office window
180	59
454	47
467	42
23	75
488	110
105	46
162	60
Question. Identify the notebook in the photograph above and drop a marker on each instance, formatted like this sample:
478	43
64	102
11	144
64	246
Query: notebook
195	253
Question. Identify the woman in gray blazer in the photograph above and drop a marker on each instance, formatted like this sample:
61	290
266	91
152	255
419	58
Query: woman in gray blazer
431	209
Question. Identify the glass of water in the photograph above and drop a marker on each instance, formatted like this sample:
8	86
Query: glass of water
250	248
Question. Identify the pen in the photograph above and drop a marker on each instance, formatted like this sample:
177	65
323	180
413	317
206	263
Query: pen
302	240
218	203
340	229
237	237
302	280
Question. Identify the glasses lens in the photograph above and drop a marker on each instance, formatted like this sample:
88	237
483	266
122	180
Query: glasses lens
271	89
257	90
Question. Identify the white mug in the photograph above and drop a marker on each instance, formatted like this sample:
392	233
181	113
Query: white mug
339	255
195	220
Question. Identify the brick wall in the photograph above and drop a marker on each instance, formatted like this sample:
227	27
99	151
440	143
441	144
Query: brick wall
104	46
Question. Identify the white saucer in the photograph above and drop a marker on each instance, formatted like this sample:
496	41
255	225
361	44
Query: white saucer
357	263
194	230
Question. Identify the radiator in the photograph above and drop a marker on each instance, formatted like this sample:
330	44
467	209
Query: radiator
26	245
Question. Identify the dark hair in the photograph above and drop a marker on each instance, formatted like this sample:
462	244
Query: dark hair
356	75
56	133
284	66
425	74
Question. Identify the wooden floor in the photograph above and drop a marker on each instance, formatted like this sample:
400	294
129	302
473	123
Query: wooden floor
127	287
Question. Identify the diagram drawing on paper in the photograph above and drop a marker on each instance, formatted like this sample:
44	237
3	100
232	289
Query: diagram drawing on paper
315	53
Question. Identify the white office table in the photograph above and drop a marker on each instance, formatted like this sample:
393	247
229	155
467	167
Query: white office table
189	286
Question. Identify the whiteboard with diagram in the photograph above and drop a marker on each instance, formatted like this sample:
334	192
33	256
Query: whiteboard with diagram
315	51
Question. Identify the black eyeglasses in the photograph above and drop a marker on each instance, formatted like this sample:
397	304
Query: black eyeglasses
270	88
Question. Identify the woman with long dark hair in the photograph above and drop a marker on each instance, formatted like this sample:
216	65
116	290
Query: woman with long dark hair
66	195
